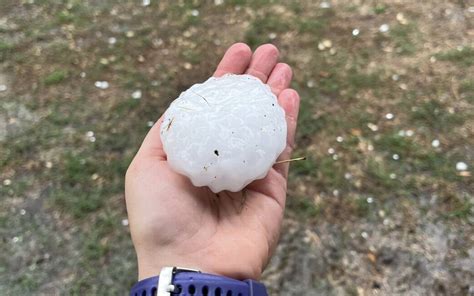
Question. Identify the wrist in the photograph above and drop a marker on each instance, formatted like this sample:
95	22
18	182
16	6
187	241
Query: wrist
149	266
179	281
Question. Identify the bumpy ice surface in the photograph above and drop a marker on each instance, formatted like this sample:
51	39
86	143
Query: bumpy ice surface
224	133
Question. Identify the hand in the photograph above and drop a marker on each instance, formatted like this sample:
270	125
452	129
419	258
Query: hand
174	223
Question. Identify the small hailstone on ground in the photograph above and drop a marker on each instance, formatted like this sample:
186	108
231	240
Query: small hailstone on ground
48	164
355	32
22	212
3	87
112	40
325	4
339	139
137	95
384	28
7	182
395	77
347	176
150	123
218	2
435	143
370	199
310	83
364	235
393	176
130	34
15	239
125	222
410	133
195	12
146	2
101	84
389	116
83	75
224	133
272	36
461	166
331	151
396	157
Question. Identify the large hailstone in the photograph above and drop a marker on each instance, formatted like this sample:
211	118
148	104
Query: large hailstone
224	133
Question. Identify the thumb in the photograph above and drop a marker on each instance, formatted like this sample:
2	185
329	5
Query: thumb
152	147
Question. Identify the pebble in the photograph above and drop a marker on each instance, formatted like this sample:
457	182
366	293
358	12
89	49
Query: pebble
460	166
373	127
401	18
137	94
384	28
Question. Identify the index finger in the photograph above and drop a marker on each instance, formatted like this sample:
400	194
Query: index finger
235	61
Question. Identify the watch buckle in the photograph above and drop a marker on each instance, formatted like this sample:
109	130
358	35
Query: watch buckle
165	281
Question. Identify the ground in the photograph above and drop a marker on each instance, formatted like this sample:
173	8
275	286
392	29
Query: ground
383	205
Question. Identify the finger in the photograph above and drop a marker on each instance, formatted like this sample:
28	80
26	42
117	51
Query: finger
280	78
236	60
289	100
152	145
263	61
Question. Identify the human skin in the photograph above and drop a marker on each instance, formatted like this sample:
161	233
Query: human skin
174	223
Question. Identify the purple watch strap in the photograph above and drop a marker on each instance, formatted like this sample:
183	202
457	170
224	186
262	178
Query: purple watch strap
202	284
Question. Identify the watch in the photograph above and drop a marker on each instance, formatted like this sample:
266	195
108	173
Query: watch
174	281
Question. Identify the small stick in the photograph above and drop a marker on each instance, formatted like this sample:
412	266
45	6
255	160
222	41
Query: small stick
201	97
290	160
169	124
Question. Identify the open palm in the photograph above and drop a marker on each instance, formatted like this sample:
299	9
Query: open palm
174	223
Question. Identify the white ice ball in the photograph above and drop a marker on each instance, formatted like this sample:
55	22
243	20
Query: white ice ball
224	133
